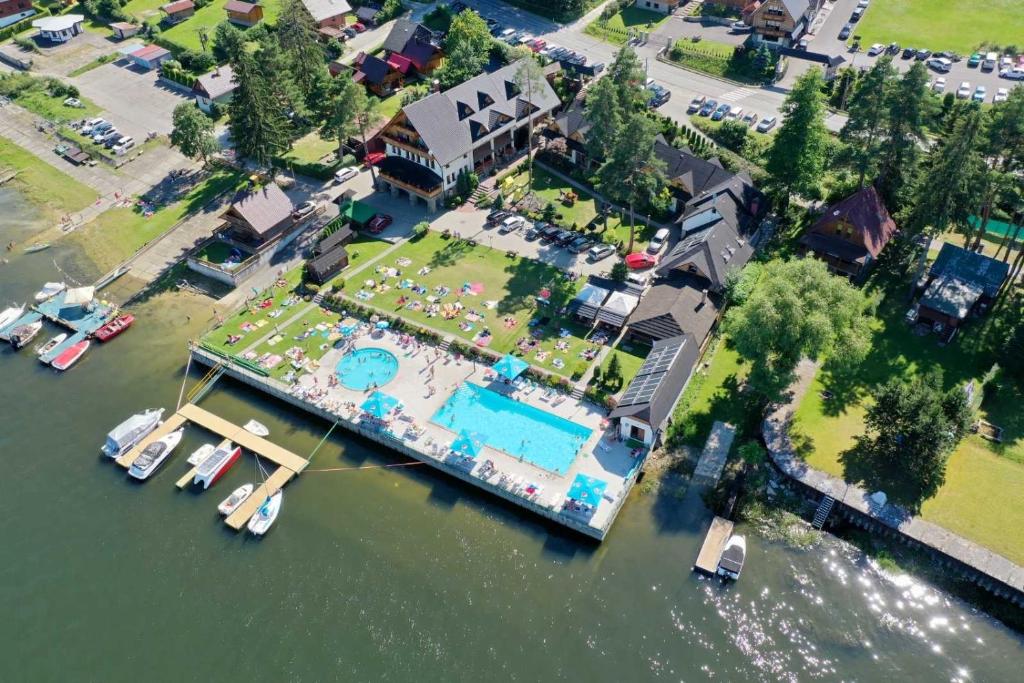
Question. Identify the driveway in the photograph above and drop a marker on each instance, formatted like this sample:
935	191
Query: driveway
133	99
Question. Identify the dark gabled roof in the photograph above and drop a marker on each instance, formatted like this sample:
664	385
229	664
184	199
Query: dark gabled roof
366	12
673	307
327	264
970	267
865	212
716	250
374	69
830	245
447	132
405	31
216	83
654	390
696	176
177	6
262	208
573	120
342	235
951	295
796	8
419	53
239	7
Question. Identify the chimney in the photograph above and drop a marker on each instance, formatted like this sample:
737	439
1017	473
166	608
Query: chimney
703	296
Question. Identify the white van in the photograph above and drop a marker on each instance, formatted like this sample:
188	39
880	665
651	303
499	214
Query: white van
990	61
658	241
87	128
123	145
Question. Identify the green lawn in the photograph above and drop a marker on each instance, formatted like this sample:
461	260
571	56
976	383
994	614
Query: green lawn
390	105
256	317
510	284
55	193
53	108
959	26
713	394
717	59
310	148
186	34
119	232
297	334
362	249
616	29
144	9
824	429
631	356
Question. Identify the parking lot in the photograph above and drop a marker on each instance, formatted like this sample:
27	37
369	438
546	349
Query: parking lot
132	99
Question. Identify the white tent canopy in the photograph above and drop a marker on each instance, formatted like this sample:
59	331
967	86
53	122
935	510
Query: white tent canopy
79	296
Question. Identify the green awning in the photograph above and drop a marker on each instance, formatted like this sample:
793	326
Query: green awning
357	212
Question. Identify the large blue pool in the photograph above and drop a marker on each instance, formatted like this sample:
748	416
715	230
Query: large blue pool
538	437
363	368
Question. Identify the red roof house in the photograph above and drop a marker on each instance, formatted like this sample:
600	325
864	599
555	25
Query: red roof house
851	234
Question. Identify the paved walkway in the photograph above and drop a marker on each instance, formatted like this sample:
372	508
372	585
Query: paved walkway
776	438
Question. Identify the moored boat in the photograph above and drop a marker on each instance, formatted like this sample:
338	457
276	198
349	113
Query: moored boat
731	564
115	327
124	436
50	290
219	462
257	428
38	246
200	454
154	455
263	518
52	344
23	334
70	355
10	314
237	497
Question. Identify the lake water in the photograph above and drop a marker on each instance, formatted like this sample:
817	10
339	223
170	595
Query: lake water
394	573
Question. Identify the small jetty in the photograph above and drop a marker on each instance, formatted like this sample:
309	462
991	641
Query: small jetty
288	464
714	543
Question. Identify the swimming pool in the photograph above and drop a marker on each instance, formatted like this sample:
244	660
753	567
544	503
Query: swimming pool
538	437
363	368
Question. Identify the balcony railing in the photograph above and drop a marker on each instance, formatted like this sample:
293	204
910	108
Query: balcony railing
415	146
427	192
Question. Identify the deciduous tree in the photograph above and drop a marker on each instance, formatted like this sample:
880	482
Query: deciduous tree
193	132
466	48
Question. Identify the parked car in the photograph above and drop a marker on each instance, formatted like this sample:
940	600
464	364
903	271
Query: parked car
113	140
964	91
990	61
123	145
549	233
735	113
303	210
98	128
379	222
974	60
940	64
103	136
876	49
940	84
1002	94
511	224
349	32
766	124
507	35
862	4
581	244
538	45
979	94
922	54
696	103
599	252
657	242
845	32
893	49
358	27
951	56
739	27
750	118
1005	62
803	44
534	231
1014	74
566	237
345	174
497	216
720	113
640	260
857	13
709	108
87	127
74	102
908	52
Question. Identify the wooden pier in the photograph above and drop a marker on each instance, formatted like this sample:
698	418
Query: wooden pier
288	464
714	544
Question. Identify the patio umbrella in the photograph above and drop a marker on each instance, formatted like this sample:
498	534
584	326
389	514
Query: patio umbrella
509	366
587	489
469	443
379	404
382	325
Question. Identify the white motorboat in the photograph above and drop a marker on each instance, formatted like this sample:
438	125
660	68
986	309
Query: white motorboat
219	462
23	334
10	314
200	454
50	290
257	428
237	497
125	435
731	564
155	454
264	518
52	344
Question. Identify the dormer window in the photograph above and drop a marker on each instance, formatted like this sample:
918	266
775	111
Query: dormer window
483	100
464	110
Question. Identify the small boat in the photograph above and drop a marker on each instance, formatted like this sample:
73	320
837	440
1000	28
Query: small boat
200	454
219	462
154	454
70	355
124	436
110	277
114	327
50	290
731	564
261	521
52	344
38	246
9	315
257	428
237	497
23	334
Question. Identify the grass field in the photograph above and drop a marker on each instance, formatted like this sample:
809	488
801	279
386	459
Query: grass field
957	26
53	192
631	356
512	284
233	325
712	394
119	232
40	102
616	29
313	346
310	148
186	34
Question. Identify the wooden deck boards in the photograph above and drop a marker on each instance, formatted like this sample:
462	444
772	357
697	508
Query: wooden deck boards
248	441
237	519
714	544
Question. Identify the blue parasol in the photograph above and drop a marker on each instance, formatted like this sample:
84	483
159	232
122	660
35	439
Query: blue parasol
509	366
379	404
469	444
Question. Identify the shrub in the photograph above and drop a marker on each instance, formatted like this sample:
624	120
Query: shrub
619	272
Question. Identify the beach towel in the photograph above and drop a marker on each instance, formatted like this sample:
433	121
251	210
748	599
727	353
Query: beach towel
248	327
490	305
276	339
262	323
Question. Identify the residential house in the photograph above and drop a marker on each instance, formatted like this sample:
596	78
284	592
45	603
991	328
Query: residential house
178	11
691	180
215	87
60	28
329	255
472	127
660	6
678	305
850	235
13	11
782	22
413	44
376	74
367	14
258	216
124	30
713	252
328	13
150	57
571	125
243	13
646	406
959	283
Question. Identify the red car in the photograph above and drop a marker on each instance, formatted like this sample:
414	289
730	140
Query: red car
379	222
538	45
641	260
358	27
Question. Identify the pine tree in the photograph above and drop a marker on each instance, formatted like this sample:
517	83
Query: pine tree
864	131
258	126
604	118
297	35
632	173
796	160
627	73
907	106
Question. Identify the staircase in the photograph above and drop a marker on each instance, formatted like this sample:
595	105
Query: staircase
690	9
578	391
479	194
821	514
319	298
445	343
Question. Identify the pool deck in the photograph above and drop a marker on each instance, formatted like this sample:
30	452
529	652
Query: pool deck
414	435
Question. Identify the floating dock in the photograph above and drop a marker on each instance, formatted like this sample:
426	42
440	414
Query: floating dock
714	544
288	464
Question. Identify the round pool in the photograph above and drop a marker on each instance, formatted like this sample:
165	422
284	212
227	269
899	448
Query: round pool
365	368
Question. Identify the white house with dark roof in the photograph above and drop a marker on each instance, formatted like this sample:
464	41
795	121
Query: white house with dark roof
473	127
215	87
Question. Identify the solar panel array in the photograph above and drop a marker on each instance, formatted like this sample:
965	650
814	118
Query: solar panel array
655	368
